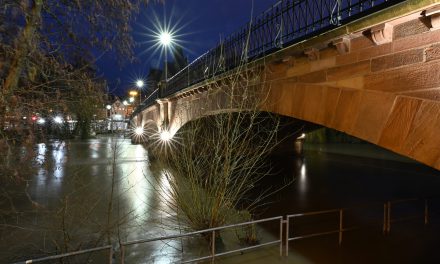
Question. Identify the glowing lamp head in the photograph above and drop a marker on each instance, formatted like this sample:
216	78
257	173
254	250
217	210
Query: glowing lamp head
58	119
133	93
165	38
139	83
139	131
131	99
165	135
108	107
41	121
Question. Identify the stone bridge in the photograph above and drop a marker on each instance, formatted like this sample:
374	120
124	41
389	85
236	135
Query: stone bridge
376	78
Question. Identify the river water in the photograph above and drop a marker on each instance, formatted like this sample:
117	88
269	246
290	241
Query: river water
68	199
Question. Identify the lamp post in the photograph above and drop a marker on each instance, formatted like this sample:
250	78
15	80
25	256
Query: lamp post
165	39
140	84
109	107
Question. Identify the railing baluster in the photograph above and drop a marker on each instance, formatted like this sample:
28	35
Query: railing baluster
281	237
122	253
110	261
287	235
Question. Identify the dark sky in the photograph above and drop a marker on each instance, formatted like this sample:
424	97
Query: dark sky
201	23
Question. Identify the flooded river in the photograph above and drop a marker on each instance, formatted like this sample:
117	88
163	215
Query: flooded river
90	191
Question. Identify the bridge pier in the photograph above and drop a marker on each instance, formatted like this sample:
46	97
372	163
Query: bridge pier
164	112
299	147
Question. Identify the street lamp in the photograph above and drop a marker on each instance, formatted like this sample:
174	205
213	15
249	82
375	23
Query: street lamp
58	119
110	117
140	84
165	135
139	131
165	39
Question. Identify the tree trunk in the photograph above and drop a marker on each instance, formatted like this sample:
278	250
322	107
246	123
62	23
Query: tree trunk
33	19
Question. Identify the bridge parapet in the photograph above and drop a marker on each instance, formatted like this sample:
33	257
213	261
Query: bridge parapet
285	23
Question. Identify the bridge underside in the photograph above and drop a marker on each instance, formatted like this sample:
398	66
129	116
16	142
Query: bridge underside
380	83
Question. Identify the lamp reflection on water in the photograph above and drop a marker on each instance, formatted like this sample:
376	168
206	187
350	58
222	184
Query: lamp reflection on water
137	184
303	183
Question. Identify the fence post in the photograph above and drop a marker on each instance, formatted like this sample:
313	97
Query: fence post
384	226
389	218
426	212
213	246
341	215
287	236
110	260
122	253
281	236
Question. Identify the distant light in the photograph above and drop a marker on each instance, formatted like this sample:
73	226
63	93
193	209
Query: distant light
139	83
303	136
165	38
165	135
125	102
34	118
41	121
131	99
58	119
133	93
109	107
139	131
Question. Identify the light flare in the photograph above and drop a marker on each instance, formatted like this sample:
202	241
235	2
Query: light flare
139	83
166	135
139	131
58	119
165	38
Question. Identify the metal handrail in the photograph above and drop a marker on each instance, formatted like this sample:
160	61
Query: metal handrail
70	254
283	24
213	254
387	220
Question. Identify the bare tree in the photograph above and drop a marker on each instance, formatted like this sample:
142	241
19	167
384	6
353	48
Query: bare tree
47	56
217	161
48	51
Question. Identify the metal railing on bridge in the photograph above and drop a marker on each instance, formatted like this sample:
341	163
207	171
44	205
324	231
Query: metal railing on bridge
285	23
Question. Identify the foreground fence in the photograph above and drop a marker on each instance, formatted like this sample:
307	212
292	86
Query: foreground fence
213	232
383	215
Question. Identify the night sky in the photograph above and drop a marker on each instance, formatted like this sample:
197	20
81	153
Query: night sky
200	25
